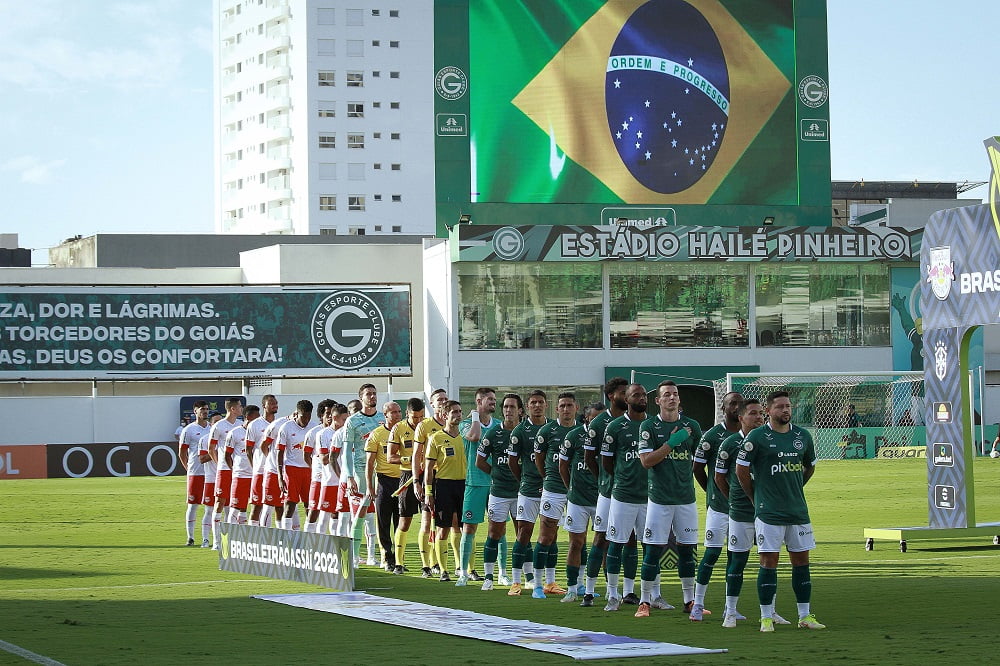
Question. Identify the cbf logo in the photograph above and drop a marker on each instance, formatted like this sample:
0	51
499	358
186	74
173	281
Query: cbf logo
941	271
667	93
348	330
451	83
940	360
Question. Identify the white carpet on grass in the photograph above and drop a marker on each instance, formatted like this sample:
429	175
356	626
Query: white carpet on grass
521	633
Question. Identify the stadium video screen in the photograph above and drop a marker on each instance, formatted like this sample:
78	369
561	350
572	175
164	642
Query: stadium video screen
646	102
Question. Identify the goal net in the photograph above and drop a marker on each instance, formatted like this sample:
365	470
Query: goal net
850	415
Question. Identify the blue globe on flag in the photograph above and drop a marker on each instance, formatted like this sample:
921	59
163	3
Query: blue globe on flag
667	95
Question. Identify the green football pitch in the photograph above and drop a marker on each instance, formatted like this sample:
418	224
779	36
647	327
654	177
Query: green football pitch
92	571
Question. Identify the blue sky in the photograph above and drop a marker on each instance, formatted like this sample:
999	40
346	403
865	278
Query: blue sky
106	124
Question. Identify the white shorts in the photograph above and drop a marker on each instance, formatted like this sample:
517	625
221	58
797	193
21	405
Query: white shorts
553	505
577	517
602	513
661	518
741	536
527	508
625	518
498	509
797	538
716	528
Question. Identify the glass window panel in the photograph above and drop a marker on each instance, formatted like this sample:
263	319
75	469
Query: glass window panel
875	306
529	305
822	305
679	305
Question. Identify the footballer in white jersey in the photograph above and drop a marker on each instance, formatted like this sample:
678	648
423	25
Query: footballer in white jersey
189	444
238	458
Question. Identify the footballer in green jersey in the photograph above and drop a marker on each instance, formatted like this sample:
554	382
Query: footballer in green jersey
667	451
522	465
493	459
717	513
774	465
553	502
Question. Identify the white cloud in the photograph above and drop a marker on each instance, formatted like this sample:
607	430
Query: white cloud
31	169
64	47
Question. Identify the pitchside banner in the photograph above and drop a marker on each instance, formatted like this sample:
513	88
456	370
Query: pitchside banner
108	331
960	290
305	557
648	240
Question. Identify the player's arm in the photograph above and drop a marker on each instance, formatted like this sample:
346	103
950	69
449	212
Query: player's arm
700	474
722	483
213	448
203	454
475	432
282	440
514	462
229	450
182	453
429	476
335	459
807	473
745	478
656	456
590	460
307	449
370	470
608	460
417	460
539	458
483	457
483	463
394	448
564	469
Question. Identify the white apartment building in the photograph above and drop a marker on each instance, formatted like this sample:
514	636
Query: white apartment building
324	117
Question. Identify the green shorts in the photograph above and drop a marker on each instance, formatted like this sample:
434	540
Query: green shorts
474	506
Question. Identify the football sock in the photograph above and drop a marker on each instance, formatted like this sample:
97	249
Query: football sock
401	536
465	550
801	584
734	573
189	517
454	536
767	585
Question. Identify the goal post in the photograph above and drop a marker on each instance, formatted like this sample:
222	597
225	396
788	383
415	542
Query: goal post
849	414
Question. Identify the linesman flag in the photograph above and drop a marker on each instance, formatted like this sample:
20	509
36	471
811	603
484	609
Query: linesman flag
638	101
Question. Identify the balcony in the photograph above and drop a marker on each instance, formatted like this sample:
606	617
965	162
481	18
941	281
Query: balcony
280	73
278	121
276	133
279	213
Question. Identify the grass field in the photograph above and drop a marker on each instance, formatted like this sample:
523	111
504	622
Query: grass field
91	572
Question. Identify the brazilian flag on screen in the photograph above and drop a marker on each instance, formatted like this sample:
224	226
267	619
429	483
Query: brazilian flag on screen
633	101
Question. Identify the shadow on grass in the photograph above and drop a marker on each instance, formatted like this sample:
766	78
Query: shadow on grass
953	549
25	573
104	546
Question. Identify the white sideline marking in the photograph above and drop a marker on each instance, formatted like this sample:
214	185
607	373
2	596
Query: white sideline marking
29	655
904	560
125	587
